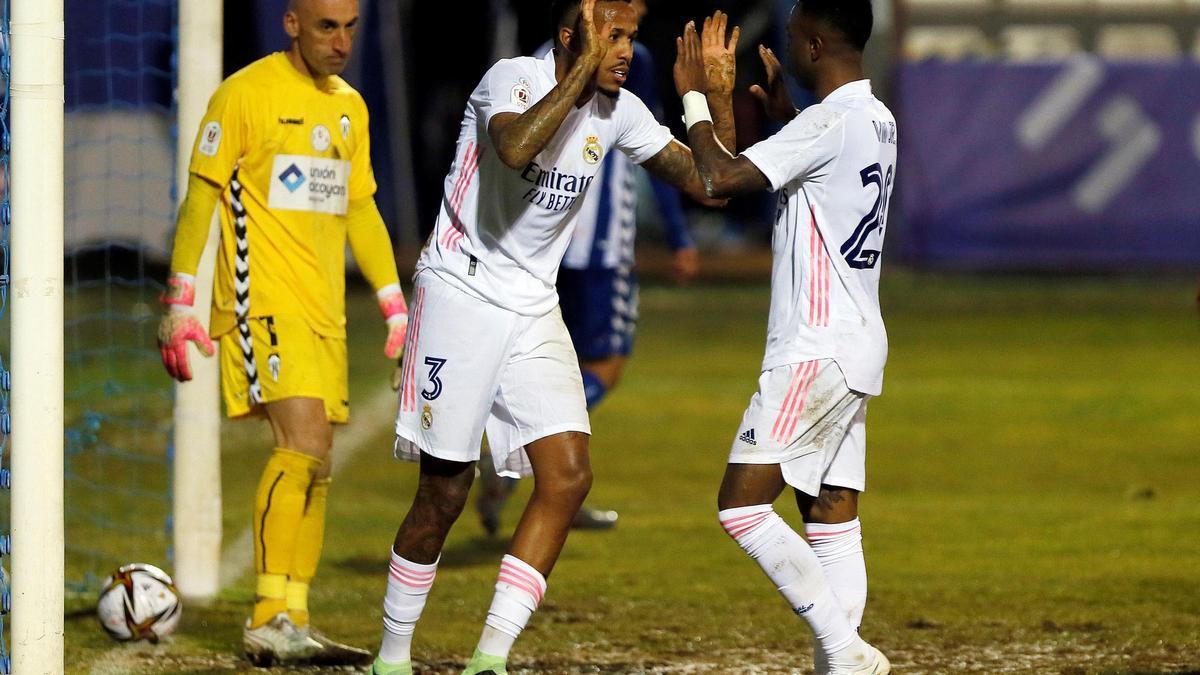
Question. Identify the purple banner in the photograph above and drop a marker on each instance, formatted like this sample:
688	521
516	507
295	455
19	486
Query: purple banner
1083	165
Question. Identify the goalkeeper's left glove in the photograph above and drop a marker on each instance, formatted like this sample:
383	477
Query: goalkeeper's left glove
179	326
395	311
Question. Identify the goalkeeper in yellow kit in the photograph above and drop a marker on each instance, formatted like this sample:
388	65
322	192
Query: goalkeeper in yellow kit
284	150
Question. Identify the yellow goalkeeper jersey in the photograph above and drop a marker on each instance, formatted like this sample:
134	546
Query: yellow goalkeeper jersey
290	153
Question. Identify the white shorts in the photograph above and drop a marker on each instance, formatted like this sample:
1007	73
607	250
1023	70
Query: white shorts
470	366
805	419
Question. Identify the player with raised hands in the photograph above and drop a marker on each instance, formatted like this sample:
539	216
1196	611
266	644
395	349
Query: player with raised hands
488	349
833	167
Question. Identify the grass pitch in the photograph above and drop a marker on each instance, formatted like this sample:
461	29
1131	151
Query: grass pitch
1032	502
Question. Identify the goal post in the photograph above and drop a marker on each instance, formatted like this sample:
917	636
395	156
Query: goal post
37	335
196	474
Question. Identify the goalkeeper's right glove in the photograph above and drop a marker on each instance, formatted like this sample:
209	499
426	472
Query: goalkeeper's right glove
179	326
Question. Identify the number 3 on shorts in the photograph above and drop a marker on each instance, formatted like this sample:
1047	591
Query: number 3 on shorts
435	364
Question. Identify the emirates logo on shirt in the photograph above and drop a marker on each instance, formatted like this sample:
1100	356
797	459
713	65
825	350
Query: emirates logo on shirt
554	190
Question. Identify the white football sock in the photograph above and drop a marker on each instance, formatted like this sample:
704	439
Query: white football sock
839	548
793	567
407	589
519	589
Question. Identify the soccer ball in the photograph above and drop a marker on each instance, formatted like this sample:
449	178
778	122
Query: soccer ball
139	602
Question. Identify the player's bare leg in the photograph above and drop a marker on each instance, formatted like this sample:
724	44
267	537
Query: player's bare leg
833	531
303	438
832	506
562	477
495	490
749	484
442	490
441	495
746	513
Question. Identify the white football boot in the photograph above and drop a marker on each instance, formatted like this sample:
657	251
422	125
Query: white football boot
866	661
277	640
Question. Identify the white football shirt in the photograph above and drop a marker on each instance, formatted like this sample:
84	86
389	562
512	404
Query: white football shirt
501	233
833	167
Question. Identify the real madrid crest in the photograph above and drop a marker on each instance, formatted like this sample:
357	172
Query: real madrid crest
345	124
426	417
592	152
321	138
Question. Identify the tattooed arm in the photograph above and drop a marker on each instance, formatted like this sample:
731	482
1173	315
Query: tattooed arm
720	65
518	138
674	164
722	174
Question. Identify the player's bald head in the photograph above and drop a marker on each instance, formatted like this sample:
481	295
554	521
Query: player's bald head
322	33
318	6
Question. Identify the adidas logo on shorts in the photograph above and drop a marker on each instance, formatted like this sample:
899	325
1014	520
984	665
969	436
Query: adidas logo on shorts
748	437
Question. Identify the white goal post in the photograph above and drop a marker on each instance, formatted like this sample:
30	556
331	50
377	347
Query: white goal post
197	437
37	186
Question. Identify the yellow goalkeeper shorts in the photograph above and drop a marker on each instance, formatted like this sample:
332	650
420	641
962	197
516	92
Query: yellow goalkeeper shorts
283	358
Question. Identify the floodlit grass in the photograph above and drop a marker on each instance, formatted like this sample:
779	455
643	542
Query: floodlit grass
1032	499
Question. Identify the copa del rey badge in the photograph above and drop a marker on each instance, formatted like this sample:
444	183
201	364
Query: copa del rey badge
520	94
345	124
211	140
592	152
321	138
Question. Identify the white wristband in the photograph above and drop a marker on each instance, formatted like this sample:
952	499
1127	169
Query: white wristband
390	289
695	109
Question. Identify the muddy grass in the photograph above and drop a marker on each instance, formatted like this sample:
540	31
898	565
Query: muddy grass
1051	656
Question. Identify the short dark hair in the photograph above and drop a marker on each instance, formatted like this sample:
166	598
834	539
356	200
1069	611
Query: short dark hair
854	19
564	13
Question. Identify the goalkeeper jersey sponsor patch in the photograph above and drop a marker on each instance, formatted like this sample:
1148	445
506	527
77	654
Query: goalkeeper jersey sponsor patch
304	183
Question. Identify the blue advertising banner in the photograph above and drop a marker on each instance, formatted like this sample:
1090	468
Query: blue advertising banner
1083	165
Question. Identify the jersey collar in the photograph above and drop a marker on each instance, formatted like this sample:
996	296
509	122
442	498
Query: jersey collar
548	66
289	71
849	90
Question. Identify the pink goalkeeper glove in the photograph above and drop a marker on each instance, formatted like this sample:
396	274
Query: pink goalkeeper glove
179	326
395	311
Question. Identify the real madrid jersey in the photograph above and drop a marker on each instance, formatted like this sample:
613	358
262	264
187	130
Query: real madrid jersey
833	167
606	227
291	154
501	233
